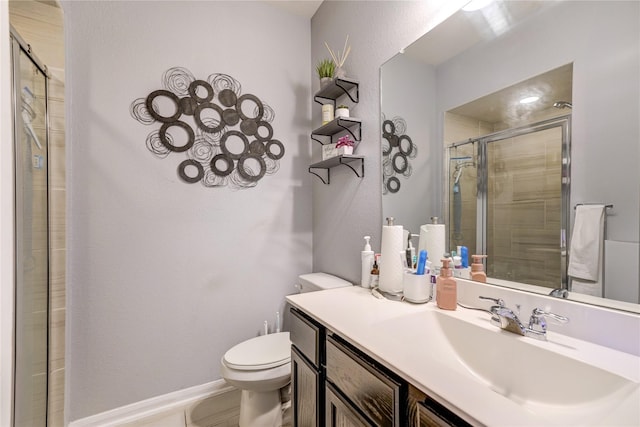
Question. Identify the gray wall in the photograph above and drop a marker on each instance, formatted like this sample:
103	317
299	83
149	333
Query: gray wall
165	276
350	207
408	91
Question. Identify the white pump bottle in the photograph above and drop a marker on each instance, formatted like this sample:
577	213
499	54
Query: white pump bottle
367	263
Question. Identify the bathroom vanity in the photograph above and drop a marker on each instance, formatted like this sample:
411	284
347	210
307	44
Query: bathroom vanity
358	360
336	384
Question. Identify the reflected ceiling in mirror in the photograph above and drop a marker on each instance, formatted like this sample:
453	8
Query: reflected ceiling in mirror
548	94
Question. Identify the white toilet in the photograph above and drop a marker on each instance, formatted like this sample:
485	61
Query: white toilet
261	366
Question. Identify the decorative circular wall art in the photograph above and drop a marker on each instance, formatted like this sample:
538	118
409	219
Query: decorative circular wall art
397	150
226	136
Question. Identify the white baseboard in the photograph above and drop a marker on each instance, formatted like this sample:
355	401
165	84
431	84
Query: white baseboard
156	405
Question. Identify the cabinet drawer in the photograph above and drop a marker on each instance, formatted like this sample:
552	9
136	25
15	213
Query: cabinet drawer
376	394
306	336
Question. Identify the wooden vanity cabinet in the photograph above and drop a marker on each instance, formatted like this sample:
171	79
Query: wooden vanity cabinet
335	384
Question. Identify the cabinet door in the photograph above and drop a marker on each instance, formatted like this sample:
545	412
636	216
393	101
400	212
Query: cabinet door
427	418
372	391
339	413
306	391
423	411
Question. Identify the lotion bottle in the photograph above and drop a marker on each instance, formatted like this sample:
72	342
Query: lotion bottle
477	269
446	288
367	263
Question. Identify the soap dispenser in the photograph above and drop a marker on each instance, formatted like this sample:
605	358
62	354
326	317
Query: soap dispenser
446	288
367	263
477	269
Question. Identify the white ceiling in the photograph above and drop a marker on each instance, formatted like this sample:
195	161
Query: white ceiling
304	8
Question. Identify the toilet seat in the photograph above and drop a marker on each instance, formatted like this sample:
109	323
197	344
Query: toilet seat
263	352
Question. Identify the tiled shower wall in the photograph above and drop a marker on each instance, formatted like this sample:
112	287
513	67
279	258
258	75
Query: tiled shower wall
57	260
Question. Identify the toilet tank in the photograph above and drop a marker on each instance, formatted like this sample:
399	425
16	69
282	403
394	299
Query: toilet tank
319	282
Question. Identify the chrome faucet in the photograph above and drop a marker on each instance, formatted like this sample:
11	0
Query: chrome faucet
505	318
559	293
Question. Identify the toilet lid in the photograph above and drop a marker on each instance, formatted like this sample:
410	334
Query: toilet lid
263	352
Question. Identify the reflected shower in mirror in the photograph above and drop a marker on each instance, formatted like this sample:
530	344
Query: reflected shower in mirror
506	175
506	197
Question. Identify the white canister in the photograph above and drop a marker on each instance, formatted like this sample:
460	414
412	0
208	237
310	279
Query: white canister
416	288
327	113
342	111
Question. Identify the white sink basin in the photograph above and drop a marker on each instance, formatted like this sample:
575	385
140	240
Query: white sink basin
526	372
562	381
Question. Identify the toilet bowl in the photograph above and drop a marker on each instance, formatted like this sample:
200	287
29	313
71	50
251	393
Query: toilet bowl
261	366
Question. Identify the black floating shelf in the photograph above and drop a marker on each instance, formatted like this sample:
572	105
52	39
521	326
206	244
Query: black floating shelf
339	124
337	88
346	160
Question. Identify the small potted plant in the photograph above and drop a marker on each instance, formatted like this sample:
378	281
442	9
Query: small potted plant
325	69
342	111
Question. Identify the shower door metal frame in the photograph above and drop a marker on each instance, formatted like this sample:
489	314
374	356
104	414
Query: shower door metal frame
564	122
18	46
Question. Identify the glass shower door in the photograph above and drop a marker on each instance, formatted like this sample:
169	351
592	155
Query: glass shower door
508	197
32	240
524	207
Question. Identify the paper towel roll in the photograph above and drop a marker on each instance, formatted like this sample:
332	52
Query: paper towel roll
391	269
432	238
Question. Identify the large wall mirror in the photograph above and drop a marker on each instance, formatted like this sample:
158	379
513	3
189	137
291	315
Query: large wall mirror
460	141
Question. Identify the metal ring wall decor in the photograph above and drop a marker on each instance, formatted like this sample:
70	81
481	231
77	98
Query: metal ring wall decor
271	154
169	144
183	174
210	111
397	150
156	115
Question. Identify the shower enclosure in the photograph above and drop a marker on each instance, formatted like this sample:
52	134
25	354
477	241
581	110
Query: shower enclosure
30	129
508	197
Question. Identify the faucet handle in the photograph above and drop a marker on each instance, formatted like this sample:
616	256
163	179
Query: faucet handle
498	301
537	320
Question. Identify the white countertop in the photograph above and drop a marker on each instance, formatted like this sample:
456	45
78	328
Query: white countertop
379	328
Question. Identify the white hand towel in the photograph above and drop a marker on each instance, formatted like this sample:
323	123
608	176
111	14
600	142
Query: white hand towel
585	253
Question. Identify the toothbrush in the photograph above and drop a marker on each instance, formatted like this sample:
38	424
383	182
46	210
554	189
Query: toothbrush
422	262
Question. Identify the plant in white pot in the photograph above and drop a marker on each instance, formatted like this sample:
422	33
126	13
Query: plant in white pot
342	111
325	68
